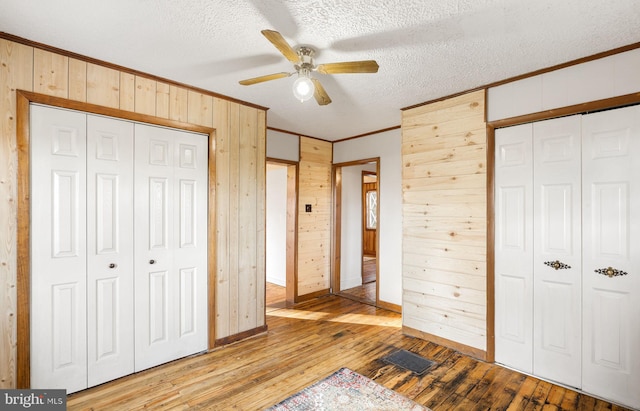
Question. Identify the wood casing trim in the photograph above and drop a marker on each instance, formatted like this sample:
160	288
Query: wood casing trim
490	235
336	234
291	227
23	278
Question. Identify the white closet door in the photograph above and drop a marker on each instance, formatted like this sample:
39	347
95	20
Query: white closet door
58	249
557	250
109	249
171	237
514	247
611	220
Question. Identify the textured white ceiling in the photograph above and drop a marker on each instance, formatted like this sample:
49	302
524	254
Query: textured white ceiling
426	49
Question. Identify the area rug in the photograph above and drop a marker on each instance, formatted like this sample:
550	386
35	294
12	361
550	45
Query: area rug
347	390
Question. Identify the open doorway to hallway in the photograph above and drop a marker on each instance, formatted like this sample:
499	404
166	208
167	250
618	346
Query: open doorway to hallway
356	230
281	211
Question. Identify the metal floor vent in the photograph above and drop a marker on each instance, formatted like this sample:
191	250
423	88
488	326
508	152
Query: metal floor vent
409	361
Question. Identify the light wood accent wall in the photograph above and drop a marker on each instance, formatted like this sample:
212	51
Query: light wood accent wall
239	174
444	183
240	219
314	228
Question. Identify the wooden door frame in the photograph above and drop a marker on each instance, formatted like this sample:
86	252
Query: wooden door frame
336	173
23	251
292	228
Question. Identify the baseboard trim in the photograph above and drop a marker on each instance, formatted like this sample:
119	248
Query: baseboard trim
390	306
240	336
311	296
464	349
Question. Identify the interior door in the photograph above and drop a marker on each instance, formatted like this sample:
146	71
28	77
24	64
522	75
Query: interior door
514	247
611	220
58	249
557	261
171	244
110	250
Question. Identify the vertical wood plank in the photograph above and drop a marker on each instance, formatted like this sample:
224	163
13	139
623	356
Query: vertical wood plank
16	72
162	100
247	219
127	91
51	73
233	212
200	107
178	104
145	96
261	201
222	291
77	80
103	86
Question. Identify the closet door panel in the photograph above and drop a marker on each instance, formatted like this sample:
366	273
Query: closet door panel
109	248
611	257
514	247
190	262
557	250
171	260
58	249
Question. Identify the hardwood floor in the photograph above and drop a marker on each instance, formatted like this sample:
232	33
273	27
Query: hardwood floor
312	340
365	293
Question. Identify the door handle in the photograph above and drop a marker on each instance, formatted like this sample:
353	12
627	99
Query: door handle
112	265
610	272
557	265
152	261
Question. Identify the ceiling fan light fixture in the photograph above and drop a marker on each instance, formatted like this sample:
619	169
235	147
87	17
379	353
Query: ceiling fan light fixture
303	87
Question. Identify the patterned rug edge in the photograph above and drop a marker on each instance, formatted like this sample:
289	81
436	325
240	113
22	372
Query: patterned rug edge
347	390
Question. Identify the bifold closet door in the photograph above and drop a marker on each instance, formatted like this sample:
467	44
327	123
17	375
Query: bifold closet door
611	254
557	258
81	249
171	186
537	263
58	249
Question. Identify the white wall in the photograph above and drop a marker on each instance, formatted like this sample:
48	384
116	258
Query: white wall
594	80
283	146
276	224
387	146
351	226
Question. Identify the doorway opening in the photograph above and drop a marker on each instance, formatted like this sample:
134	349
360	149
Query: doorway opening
356	240
281	212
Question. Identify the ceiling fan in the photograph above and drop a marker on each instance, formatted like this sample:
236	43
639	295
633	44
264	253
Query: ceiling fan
306	86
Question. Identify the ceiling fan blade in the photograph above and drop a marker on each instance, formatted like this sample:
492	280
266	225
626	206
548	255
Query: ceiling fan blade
281	44
365	66
320	93
261	79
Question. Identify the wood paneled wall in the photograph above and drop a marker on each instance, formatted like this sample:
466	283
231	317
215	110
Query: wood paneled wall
314	228
444	159
240	219
239	173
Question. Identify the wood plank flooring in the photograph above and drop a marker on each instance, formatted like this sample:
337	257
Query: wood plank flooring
312	340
